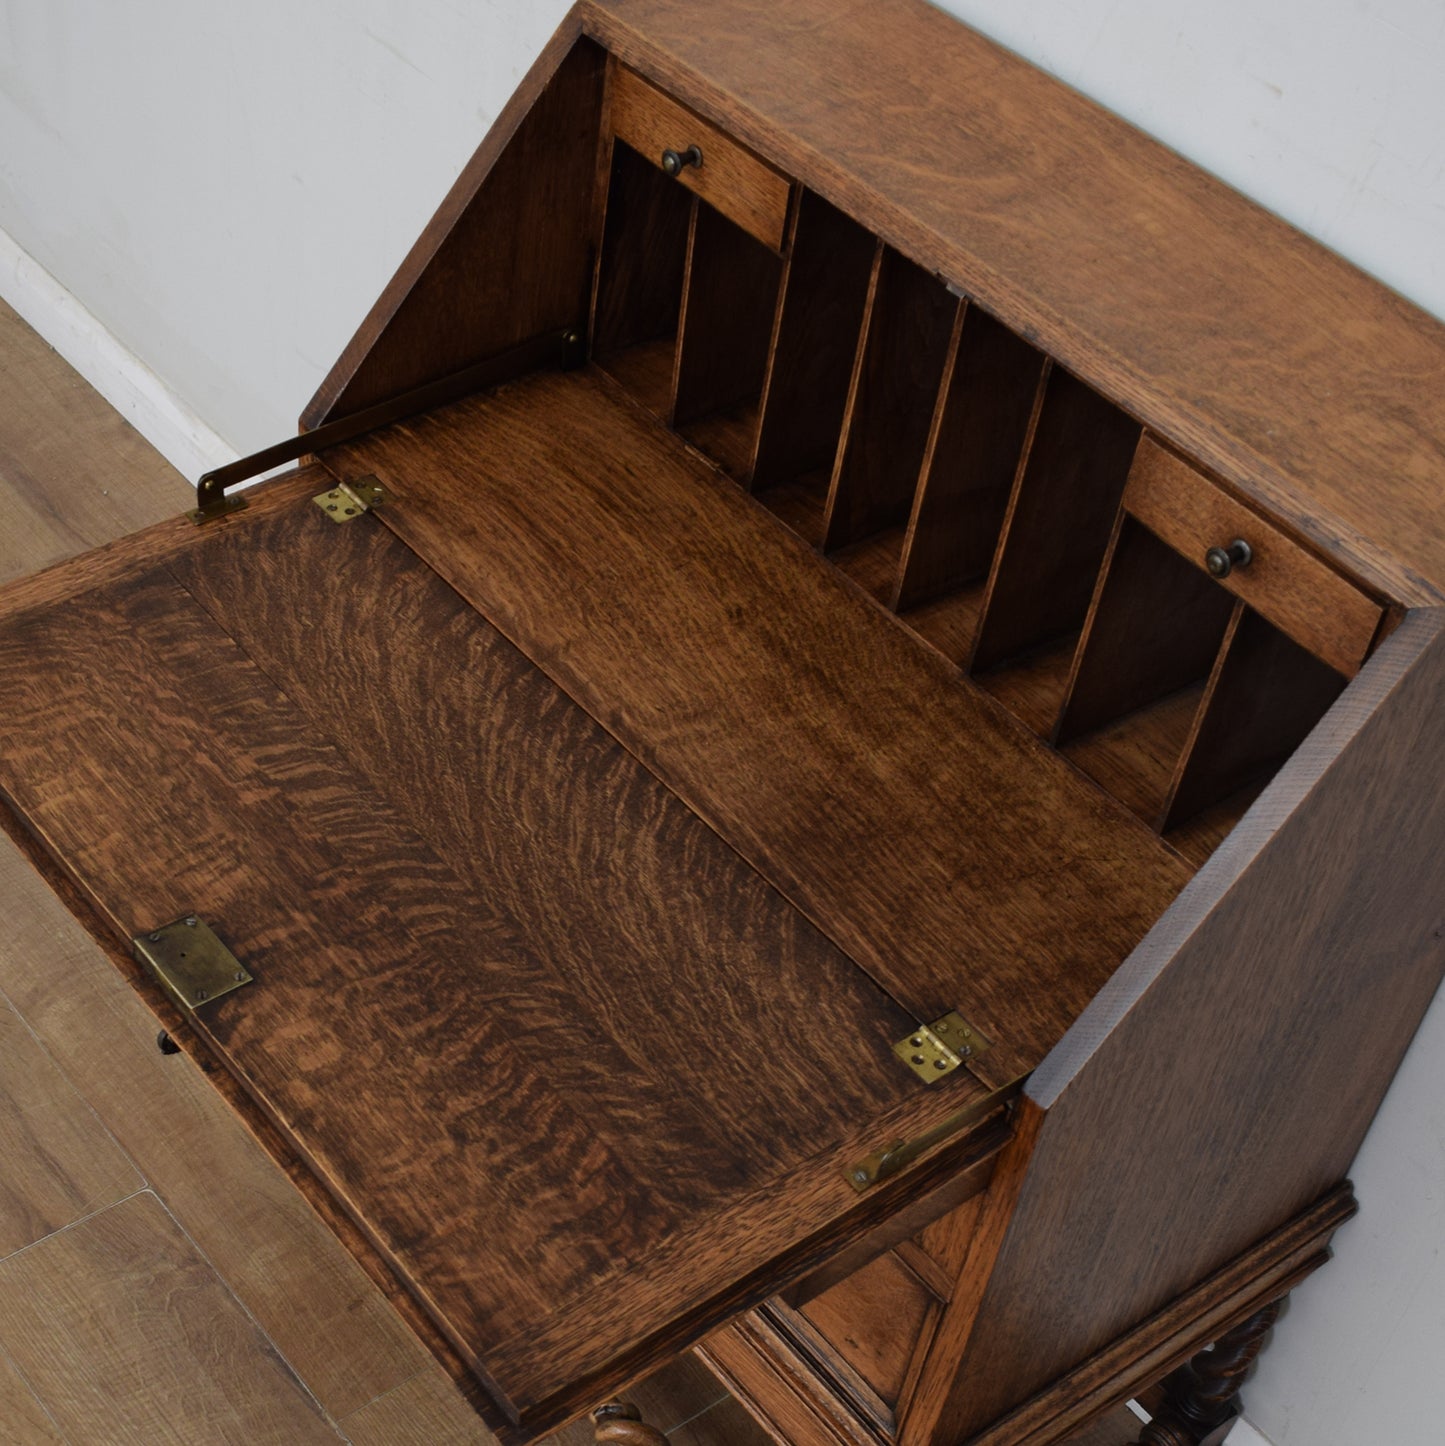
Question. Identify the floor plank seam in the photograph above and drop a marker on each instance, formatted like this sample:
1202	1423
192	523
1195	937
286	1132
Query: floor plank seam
80	1094
380	1396
35	1395
76	1223
246	1310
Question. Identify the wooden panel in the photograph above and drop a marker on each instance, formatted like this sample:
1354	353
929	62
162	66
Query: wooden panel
985	403
371	948
108	1318
61	1163
1269	693
1211	320
1311	936
727	318
1289	586
644	256
1141	1357
895	381
508	255
1155	626
825	288
872	1320
741	185
969	897
1059	520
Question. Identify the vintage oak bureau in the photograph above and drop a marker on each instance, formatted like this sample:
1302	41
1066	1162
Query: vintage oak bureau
834	759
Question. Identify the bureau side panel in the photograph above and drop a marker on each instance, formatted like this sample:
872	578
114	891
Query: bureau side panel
508	255
1226	1076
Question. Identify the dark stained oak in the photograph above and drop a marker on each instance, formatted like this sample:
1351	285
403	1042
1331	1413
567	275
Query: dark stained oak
368	945
901	354
984	406
1222	328
727	318
751	192
643	262
1266	695
825	287
1059	520
1232	1020
1314	605
1155	626
971	897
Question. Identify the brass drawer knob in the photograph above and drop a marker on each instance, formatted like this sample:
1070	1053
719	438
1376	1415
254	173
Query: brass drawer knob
1221	561
676	162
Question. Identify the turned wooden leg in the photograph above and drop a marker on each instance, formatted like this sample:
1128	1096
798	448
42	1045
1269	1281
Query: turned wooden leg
1202	1396
619	1423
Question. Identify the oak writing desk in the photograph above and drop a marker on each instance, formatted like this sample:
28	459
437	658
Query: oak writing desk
834	762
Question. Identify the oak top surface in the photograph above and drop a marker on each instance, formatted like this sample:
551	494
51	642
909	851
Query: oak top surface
1306	384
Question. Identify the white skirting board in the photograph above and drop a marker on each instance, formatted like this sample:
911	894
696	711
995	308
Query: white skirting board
116	372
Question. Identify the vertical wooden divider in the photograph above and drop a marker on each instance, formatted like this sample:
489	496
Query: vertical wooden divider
730	293
985	402
1264	696
1155	625
901	353
1060	517
827	279
640	272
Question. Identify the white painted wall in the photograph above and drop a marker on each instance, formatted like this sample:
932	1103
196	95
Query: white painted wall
227	188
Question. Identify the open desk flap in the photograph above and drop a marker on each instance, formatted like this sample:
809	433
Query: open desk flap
586	1080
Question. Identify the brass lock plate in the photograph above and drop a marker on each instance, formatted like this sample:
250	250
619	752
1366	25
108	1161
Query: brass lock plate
189	962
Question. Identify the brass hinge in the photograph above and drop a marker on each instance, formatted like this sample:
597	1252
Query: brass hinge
350	499
189	962
934	1051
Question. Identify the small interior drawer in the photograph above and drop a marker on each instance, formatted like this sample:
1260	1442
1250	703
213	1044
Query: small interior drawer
1283	582
743	187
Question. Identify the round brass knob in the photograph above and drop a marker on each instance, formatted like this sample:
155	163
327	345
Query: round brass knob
675	162
1221	561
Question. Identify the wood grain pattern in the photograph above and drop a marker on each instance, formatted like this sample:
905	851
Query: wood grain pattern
1268	1269
824	290
990	173
507	256
1313	935
1283	582
643	260
1059	521
156	1314
872	1320
61	1163
1155	626
301	833
25	1418
901	354
1267	695
727	318
286	1266
971	897
984	406
739	184
60	440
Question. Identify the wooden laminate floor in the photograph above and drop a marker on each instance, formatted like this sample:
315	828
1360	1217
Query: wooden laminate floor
161	1280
